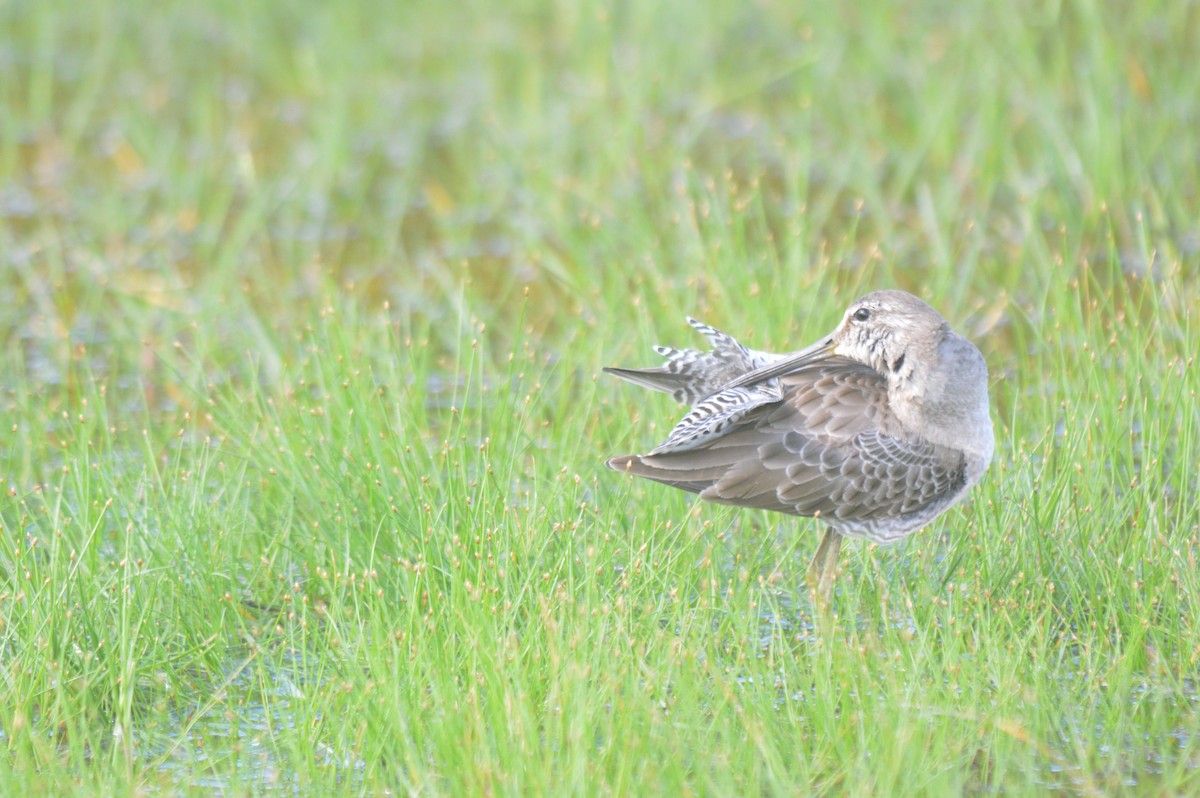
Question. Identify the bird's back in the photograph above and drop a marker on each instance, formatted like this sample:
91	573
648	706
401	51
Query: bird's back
828	445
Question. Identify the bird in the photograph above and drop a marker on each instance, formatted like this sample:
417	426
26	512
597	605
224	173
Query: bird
876	429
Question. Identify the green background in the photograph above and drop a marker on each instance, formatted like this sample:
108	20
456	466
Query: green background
302	422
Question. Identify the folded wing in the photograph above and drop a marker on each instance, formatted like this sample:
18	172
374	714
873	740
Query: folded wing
818	442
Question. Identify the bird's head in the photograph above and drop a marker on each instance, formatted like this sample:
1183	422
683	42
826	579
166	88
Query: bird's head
883	328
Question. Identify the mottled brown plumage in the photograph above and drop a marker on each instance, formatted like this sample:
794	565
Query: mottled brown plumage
876	429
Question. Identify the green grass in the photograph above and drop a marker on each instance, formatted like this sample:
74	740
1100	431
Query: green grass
303	423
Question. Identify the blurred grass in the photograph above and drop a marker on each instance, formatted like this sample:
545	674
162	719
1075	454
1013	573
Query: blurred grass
303	430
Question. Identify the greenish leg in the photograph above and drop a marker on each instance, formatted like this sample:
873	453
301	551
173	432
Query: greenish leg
823	568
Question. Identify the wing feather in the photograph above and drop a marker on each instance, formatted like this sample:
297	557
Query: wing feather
828	445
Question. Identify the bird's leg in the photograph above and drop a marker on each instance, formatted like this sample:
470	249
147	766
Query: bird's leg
823	568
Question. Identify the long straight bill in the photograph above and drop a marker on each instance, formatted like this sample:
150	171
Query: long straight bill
822	350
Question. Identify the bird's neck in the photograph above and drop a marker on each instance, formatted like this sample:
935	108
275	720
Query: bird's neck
945	397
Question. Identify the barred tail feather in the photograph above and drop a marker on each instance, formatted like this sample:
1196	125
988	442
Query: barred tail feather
656	379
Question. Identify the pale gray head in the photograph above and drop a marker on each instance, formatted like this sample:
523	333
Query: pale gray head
937	379
890	331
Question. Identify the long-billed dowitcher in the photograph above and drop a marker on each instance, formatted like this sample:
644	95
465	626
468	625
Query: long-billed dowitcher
876	429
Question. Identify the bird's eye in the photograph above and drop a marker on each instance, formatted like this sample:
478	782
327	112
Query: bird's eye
862	314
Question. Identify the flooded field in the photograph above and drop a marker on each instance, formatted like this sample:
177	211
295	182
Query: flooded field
303	424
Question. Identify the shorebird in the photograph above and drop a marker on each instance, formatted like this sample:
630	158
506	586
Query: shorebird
876	429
